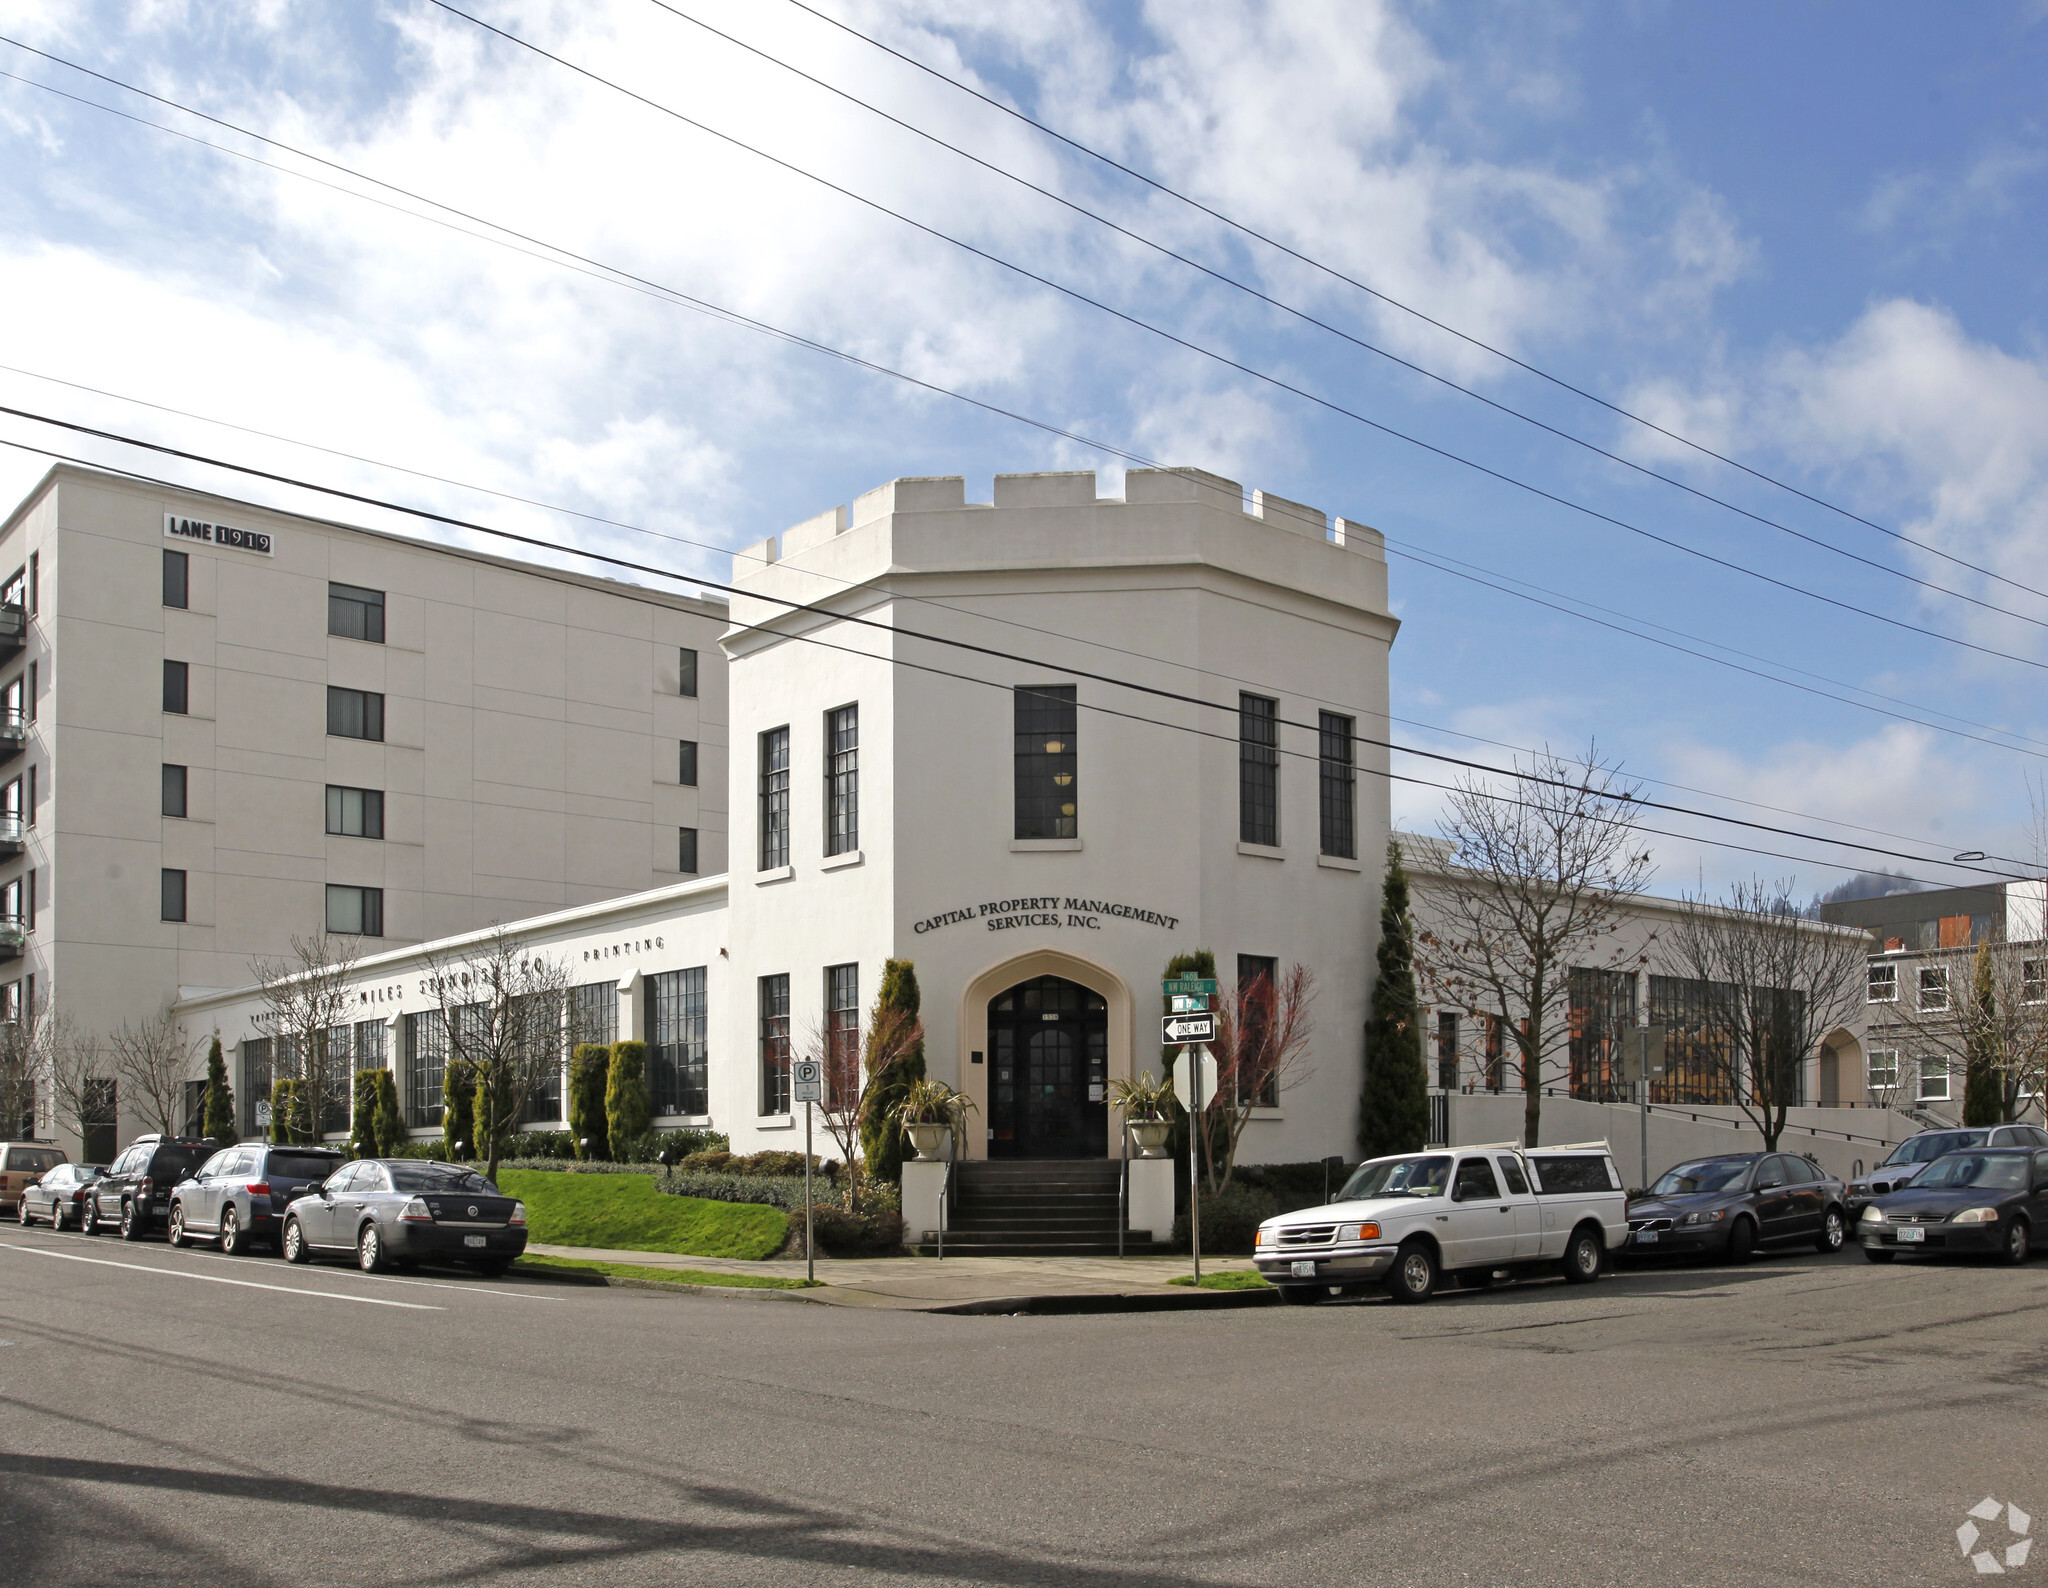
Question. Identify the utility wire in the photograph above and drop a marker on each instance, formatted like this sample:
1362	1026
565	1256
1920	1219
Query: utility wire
1371	347
1226	360
830	615
901	595
1395	303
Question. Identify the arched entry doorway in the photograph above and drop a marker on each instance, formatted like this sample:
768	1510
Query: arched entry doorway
1049	1068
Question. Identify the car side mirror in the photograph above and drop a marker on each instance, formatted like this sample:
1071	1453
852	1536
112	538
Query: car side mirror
1457	1193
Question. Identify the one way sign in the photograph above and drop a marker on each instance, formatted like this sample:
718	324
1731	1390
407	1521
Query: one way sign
1190	1028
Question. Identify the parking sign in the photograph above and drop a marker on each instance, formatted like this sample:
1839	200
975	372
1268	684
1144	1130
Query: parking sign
807	1081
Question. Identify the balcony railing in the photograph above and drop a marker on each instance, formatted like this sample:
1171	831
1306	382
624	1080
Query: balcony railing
13	937
13	732
13	835
13	630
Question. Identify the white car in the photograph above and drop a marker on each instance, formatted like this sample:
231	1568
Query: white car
1478	1212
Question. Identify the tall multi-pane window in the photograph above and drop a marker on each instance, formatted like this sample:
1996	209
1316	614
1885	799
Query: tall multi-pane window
173	903
1338	785
254	1087
842	780
1258	770
355	812
541	1058
174	790
177	687
686	671
353	713
594	1014
1048	804
177	579
1258	975
355	614
686	851
426	1066
369	1044
775	1044
1447	1049
842	1025
774	798
678	1049
686	762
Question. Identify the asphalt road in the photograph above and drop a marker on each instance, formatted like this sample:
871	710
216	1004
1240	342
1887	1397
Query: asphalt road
185	1418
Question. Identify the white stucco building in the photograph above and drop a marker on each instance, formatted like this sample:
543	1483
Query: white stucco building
1036	746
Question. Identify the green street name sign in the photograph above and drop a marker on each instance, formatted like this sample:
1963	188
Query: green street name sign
1190	986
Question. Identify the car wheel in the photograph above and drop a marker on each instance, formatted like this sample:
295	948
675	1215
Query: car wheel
493	1267
1741	1242
175	1234
60	1218
295	1248
1878	1255
1582	1258
21	1211
1415	1274
131	1222
89	1220
2018	1238
370	1250
1833	1232
231	1242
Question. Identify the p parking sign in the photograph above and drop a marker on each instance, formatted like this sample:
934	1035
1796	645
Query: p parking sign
807	1081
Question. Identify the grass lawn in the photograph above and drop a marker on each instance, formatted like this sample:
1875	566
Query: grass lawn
1229	1279
673	1276
625	1211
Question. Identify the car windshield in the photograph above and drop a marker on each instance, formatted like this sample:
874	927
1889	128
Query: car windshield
1934	1144
437	1177
1992	1171
302	1165
174	1163
1711	1174
34	1160
1398	1177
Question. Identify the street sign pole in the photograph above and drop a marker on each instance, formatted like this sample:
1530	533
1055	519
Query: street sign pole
807	1086
1643	1091
1190	1058
810	1261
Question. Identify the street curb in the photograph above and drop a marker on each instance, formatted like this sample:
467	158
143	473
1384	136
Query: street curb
620	1282
1128	1301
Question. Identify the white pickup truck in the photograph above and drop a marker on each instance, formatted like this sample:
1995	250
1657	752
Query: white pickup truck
1479	1213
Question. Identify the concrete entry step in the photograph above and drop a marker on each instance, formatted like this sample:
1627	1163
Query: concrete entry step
1037	1207
983	1248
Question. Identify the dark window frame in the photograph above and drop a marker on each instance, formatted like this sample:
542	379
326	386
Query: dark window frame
678	1045
176	790
774	1044
1258	770
173	902
687	857
1045	723
773	759
1337	784
369	910
686	672
177	688
370	811
355	613
842	780
177	579
365	704
686	763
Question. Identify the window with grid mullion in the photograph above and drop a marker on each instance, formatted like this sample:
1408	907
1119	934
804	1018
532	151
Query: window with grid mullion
842	780
775	1044
676	1025
1338	784
774	798
1047	778
842	1021
1258	769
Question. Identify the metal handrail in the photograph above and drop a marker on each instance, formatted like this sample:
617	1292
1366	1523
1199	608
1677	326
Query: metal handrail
945	1187
12	828
1123	1185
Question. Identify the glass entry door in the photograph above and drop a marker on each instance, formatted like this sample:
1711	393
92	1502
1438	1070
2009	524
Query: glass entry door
1049	1052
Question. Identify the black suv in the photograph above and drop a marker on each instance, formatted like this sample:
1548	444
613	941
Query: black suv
238	1196
134	1194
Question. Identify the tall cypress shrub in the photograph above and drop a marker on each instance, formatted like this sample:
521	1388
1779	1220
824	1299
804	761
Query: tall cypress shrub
881	1139
219	1118
627	1112
1983	1086
590	1068
363	1140
458	1108
1393	1110
391	1131
289	1125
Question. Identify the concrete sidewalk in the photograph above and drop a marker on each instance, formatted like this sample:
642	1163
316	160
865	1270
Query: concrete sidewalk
930	1284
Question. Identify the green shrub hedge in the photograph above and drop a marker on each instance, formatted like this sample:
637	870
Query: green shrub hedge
1291	1185
1230	1219
720	1161
842	1234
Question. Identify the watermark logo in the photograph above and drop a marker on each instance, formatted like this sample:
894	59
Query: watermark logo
1987	1560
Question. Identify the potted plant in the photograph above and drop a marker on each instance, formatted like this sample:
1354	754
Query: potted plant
929	1109
1143	1101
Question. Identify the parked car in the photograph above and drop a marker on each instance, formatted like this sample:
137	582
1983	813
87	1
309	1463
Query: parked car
392	1212
58	1196
22	1163
1982	1199
1477	1213
134	1195
239	1196
1915	1153
1729	1206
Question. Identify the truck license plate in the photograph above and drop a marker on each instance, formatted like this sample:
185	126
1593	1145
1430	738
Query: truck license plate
1646	1237
472	1240
1909	1233
1305	1269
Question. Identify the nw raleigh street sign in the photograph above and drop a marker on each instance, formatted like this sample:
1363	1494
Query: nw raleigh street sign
1194	986
1190	1028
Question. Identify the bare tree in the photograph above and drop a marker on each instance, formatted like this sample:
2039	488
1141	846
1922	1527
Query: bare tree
305	997
1986	1010
501	1005
154	1063
76	1079
24	1055
851	1062
1261	1047
1770	985
1536	880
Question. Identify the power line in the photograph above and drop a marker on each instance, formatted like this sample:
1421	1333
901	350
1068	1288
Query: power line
1406	308
1307	318
944	606
829	615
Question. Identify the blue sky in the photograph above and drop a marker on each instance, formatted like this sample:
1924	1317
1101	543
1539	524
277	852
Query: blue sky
1808	236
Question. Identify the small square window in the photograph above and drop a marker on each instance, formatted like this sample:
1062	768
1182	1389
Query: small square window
358	912
355	614
1884	984
686	672
1934	1081
177	579
1934	988
354	713
173	895
174	790
686	851
355	812
1881	1071
177	687
686	764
